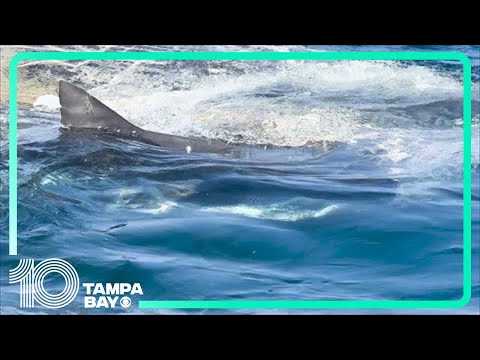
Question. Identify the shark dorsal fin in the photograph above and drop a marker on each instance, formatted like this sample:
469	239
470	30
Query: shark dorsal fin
81	110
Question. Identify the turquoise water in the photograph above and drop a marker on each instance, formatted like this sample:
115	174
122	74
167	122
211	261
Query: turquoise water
370	208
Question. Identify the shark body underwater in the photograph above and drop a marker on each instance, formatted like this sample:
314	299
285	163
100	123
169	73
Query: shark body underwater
81	111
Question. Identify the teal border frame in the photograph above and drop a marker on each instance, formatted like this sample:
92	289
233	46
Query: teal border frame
269	56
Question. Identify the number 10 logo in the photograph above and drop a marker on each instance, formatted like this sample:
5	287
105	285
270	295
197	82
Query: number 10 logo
31	280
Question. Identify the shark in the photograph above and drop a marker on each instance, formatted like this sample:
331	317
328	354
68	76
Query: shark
81	111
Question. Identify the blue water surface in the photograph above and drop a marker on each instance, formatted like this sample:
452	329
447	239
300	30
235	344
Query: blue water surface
376	215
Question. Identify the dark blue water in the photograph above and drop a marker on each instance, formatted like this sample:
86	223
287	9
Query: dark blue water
371	208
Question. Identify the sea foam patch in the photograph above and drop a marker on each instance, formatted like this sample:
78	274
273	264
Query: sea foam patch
273	212
47	102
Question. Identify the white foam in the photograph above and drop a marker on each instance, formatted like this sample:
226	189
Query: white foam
161	209
155	203
47	102
321	100
58	178
273	212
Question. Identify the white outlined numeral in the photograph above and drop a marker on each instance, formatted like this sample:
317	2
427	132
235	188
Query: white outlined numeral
31	280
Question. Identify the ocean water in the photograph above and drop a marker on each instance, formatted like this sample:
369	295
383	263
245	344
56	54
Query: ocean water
362	199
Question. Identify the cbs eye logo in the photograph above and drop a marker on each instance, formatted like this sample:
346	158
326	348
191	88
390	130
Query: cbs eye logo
31	279
125	302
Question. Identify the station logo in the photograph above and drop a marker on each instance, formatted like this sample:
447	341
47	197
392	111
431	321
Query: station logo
31	279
